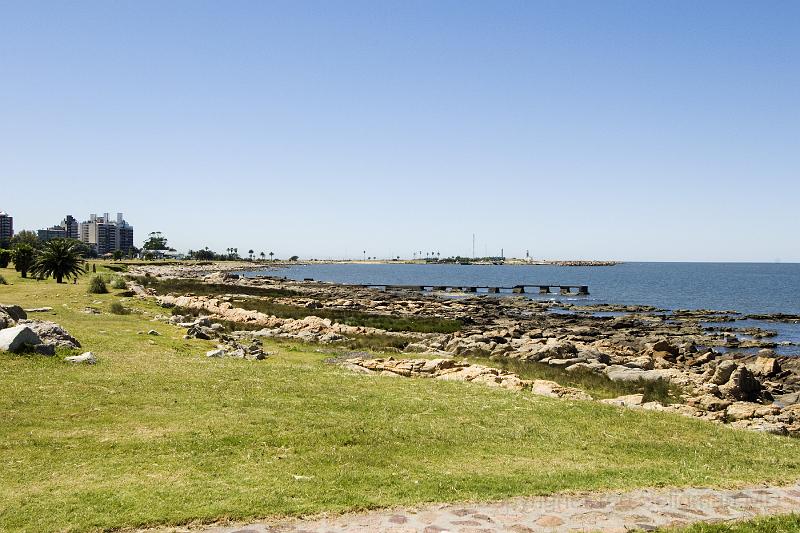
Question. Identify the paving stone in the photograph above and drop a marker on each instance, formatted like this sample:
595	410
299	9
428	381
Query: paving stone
549	521
605	512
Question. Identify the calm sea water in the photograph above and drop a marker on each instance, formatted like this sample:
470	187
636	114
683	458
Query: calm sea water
744	287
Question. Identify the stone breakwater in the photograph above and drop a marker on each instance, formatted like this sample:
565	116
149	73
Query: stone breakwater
645	344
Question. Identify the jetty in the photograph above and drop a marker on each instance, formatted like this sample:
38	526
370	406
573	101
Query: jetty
539	288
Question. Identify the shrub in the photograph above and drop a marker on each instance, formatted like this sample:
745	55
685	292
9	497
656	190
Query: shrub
119	283
118	309
97	285
5	258
3	281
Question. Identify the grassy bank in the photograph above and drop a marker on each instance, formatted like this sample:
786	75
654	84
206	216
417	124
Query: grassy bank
156	433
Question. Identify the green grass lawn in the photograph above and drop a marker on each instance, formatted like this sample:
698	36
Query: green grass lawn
156	433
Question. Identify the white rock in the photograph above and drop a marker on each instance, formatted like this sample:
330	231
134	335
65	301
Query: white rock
631	400
215	353
87	358
16	338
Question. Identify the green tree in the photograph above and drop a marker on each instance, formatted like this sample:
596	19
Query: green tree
263	256
271	256
204	255
60	258
294	258
155	241
26	237
5	258
24	256
117	255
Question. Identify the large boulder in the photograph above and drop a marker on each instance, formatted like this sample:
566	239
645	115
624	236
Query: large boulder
51	333
663	349
623	373
742	385
765	366
552	348
723	372
17	338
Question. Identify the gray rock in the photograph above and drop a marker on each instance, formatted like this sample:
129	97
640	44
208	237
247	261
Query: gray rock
723	372
153	333
14	311
589	367
87	358
665	346
566	362
623	373
17	338
45	349
742	385
215	353
52	333
631	400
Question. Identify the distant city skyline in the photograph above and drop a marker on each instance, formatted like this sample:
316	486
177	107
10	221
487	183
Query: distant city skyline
575	130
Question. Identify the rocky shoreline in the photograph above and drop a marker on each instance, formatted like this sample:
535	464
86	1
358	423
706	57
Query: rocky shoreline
642	344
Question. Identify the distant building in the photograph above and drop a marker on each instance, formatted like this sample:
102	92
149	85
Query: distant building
55	232
70	225
105	235
6	228
68	229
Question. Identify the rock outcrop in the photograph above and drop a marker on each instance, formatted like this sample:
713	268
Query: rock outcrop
450	370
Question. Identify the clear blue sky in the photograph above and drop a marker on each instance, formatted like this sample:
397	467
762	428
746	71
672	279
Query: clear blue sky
635	130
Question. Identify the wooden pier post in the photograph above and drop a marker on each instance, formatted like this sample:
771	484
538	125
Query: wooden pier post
544	289
493	290
519	289
583	290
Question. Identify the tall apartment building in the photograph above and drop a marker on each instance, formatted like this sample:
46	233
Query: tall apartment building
105	235
70	226
6	228
68	229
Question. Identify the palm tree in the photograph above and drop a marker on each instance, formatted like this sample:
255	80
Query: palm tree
24	257
271	255
250	253
60	258
263	256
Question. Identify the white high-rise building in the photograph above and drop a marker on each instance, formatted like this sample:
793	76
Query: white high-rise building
105	235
